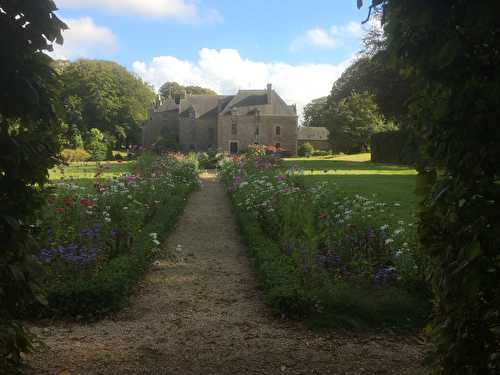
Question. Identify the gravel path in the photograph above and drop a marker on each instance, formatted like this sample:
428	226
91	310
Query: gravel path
199	311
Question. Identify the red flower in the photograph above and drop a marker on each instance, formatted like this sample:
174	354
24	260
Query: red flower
323	216
60	210
68	201
87	202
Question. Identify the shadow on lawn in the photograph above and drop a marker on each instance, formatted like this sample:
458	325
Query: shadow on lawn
345	165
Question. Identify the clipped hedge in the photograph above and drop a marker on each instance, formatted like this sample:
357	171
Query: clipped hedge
393	147
110	288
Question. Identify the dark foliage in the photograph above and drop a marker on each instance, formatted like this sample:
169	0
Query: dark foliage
394	147
450	51
29	133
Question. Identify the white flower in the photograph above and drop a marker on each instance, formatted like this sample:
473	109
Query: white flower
397	205
388	241
153	235
125	208
384	227
107	219
398	231
156	242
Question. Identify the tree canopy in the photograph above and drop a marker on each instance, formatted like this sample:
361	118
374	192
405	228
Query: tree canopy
174	89
105	96
29	145
352	122
315	113
449	50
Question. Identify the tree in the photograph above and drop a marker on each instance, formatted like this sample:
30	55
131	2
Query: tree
175	90
352	122
29	145
104	95
370	73
96	145
315	113
449	50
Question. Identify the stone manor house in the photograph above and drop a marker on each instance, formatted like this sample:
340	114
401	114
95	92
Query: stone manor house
228	123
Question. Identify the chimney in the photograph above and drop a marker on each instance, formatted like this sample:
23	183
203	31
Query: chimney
269	93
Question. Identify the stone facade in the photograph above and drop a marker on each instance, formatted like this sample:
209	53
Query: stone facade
227	123
318	137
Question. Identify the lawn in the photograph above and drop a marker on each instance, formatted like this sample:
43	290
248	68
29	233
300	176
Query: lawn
355	174
90	171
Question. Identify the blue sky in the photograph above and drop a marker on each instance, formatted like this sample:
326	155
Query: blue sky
301	47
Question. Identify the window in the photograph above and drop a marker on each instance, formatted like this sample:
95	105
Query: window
257	130
278	130
233	148
234	128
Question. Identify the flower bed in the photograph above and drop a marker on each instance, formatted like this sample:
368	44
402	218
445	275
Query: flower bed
96	242
336	259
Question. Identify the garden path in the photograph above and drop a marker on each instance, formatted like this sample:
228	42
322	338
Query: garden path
199	311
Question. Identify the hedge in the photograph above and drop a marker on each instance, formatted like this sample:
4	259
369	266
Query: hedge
393	147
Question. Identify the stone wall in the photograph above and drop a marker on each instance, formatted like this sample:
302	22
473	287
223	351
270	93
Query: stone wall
198	134
247	131
160	124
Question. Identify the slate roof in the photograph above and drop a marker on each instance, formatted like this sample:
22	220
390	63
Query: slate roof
245	101
313	134
248	100
203	104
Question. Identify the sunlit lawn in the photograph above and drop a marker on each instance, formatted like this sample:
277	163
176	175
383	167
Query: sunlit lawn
84	173
355	174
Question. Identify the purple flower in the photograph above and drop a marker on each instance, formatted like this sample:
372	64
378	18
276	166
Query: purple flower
385	275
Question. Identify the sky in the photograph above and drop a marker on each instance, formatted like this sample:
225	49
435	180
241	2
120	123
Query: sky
301	47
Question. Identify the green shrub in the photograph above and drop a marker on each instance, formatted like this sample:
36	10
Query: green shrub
306	150
393	147
321	153
166	144
96	145
77	155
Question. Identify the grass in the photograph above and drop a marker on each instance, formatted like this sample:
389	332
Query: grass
355	174
88	170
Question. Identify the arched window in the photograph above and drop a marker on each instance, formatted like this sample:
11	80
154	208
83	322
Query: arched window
278	130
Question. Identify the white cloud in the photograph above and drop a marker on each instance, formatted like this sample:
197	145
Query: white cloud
225	71
84	39
317	38
181	10
334	37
